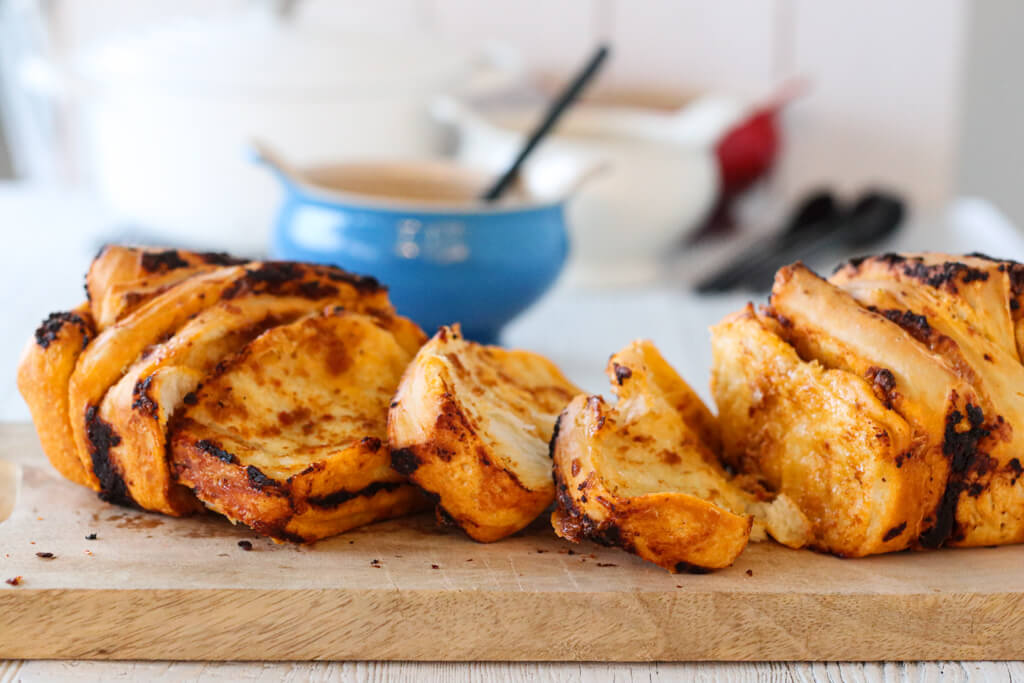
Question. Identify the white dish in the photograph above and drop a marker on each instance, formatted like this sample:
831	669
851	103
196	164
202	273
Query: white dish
164	116
651	177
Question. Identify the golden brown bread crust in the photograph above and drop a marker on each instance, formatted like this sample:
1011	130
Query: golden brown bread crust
289	435
964	317
470	424
117	348
641	369
140	405
642	475
43	375
120	278
820	436
677	531
827	324
977	290
936	337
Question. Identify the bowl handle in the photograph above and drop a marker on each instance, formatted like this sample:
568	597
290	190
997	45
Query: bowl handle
261	153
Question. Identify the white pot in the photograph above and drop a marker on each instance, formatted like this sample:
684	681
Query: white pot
165	117
651	178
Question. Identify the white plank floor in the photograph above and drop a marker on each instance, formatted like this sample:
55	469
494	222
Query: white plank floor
500	672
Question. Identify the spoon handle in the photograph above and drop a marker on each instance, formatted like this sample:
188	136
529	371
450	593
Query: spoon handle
550	119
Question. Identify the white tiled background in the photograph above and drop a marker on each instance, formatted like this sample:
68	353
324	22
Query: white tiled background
885	98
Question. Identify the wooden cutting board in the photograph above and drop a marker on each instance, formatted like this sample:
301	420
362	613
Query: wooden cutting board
152	587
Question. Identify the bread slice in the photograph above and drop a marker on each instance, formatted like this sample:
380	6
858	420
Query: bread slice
142	402
43	375
289	435
821	436
470	424
825	323
120	278
949	318
643	475
111	354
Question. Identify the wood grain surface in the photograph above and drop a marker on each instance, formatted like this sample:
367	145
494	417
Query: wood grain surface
151	587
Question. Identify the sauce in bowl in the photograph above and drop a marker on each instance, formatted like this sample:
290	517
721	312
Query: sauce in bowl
434	184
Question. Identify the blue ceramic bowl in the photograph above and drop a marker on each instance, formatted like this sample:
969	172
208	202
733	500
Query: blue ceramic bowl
443	260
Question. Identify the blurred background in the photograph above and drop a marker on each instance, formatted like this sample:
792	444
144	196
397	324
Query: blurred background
712	128
910	92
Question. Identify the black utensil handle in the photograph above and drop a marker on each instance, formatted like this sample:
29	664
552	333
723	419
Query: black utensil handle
760	277
731	274
874	216
550	119
811	217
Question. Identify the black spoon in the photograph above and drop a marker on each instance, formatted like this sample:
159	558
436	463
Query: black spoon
555	111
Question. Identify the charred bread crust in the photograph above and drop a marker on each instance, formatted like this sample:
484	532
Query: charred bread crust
569	520
981	292
279	509
674	530
102	438
470	425
118	347
940	338
161	261
946	271
429	466
142	402
227	486
404	460
290	278
287	434
44	372
50	329
966	310
120	278
964	433
164	260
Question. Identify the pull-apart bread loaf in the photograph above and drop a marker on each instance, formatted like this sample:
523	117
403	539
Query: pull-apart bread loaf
643	474
471	424
878	410
884	401
104	381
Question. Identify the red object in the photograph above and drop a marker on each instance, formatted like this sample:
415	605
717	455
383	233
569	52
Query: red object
745	154
748	151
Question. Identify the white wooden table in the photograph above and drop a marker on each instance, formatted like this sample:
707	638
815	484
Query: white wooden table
50	237
951	672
